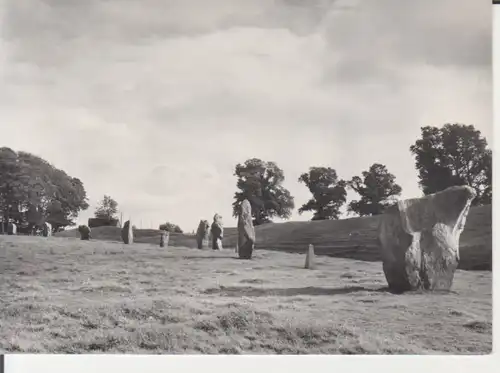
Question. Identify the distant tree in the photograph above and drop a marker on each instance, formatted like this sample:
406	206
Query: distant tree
107	208
455	154
261	183
32	191
377	189
170	227
329	193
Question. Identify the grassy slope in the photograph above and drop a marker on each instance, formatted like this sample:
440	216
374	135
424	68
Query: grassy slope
330	238
65	295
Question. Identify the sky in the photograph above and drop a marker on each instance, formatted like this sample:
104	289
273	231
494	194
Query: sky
154	102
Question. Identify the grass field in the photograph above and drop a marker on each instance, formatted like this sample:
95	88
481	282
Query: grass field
63	295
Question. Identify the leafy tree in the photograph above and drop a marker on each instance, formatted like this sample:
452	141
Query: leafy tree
170	227
377	189
329	193
455	154
32	191
107	208
261	183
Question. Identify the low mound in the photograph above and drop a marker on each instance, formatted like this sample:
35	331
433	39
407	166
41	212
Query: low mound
354	238
151	236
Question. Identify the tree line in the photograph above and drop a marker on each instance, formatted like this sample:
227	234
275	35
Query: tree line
454	154
33	191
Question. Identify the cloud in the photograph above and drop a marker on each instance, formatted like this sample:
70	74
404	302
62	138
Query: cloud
155	102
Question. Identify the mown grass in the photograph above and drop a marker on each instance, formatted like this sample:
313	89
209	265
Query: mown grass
63	295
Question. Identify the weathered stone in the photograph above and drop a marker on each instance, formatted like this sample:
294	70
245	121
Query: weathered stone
202	234
246	231
164	238
46	229
12	229
310	259
127	233
84	231
419	239
217	231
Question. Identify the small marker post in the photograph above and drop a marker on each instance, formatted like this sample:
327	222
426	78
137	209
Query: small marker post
310	262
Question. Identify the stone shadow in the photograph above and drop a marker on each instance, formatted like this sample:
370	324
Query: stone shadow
247	291
205	257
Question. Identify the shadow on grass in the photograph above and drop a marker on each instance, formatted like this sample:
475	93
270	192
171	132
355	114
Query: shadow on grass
238	291
248	291
207	257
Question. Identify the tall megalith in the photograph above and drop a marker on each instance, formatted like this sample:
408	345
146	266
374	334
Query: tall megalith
419	239
246	231
217	231
127	233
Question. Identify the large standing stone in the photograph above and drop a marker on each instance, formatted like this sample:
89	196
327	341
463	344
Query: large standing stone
217	231
12	229
246	231
46	229
419	239
165	235
84	231
202	234
127	233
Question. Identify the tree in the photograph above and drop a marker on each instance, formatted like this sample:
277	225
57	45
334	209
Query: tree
261	183
33	191
170	227
107	208
329	193
377	189
455	154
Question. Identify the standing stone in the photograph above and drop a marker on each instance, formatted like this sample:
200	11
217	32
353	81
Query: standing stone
12	229
310	259
84	231
246	231
217	231
165	235
46	229
202	234
419	239
127	233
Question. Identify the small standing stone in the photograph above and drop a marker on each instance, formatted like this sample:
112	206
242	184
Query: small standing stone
310	258
46	229
246	231
84	232
127	233
11	229
217	231
165	235
202	234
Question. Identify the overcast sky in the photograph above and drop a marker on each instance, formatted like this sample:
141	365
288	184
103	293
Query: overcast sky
154	102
